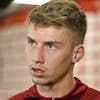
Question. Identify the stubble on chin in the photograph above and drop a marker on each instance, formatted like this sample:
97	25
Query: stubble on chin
42	83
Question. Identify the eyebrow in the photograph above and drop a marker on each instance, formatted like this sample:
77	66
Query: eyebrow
29	38
46	42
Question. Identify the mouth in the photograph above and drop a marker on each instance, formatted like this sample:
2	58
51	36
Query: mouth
37	72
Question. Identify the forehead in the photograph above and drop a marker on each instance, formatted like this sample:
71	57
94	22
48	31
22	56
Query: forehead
49	33
51	28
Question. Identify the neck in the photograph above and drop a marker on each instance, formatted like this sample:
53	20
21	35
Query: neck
58	89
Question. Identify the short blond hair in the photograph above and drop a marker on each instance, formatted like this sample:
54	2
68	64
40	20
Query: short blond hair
61	13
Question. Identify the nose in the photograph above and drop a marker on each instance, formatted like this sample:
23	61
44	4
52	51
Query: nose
38	55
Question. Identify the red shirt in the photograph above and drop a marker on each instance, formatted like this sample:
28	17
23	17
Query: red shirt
79	92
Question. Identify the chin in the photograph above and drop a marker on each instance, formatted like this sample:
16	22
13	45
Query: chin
41	82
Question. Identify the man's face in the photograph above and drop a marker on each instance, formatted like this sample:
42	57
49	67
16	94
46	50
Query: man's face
49	53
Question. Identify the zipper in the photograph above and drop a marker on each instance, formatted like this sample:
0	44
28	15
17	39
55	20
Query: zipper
53	99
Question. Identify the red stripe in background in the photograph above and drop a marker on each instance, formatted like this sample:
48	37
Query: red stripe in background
88	5
15	18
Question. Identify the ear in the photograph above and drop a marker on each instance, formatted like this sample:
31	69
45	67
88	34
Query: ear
78	53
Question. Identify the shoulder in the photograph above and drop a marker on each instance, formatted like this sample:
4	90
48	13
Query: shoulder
20	96
85	92
91	94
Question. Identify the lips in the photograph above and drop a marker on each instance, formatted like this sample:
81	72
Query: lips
37	72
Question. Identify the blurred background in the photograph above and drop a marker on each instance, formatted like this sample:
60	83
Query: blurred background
14	72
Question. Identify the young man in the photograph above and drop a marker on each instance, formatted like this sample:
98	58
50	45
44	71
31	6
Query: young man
54	44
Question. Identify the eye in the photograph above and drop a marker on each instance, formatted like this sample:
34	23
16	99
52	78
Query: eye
31	43
52	46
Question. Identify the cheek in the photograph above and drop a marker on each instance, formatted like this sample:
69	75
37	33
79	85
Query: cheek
61	58
61	62
62	66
